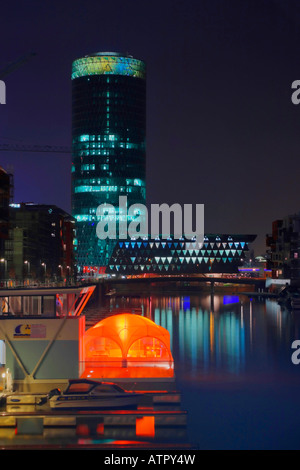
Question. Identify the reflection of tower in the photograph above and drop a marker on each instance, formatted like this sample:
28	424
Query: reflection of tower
108	131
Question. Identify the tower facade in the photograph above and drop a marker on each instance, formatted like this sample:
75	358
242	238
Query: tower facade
108	146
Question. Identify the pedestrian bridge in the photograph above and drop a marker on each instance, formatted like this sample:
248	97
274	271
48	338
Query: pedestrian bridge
185	280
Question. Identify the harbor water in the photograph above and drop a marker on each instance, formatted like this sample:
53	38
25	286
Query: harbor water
233	365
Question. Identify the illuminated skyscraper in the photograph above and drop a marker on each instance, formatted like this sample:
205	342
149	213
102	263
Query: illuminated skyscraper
109	154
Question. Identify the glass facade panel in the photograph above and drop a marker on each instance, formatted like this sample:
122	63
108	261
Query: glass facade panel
49	307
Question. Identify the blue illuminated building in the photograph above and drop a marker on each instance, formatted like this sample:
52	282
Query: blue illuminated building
222	253
109	150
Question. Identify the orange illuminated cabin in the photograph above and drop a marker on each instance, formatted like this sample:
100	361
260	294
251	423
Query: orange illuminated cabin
128	345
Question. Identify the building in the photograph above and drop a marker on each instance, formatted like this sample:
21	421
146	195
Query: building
30	322
5	198
284	248
219	254
109	150
40	244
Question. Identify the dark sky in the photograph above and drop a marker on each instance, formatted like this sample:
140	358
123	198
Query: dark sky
221	127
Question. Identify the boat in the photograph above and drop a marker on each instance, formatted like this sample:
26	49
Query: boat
92	394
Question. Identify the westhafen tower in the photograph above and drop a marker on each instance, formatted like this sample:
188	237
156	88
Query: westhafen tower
108	146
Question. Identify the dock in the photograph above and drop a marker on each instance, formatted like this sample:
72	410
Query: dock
157	419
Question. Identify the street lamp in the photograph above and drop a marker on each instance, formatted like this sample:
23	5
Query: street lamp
68	273
44	264
3	260
28	267
60	270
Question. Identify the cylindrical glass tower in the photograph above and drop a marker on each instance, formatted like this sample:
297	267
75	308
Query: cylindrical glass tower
109	154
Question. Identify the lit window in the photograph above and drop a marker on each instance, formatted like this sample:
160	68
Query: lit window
95	189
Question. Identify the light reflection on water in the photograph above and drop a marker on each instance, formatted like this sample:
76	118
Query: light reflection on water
233	366
201	337
215	333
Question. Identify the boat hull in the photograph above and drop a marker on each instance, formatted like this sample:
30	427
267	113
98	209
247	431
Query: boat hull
79	402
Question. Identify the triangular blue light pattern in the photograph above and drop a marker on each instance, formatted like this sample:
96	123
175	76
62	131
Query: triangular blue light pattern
178	258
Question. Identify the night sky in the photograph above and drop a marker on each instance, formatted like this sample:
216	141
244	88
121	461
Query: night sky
221	126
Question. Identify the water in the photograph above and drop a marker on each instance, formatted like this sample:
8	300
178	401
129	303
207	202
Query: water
233	366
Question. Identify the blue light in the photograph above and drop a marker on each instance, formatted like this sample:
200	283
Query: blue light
230	299
186	303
